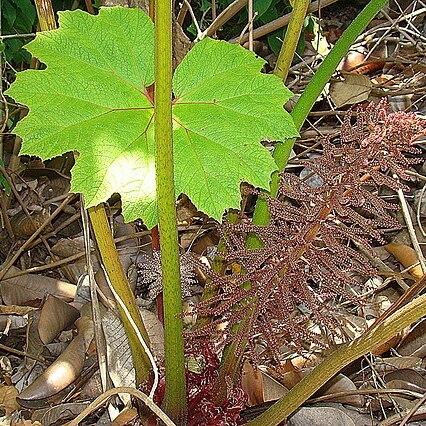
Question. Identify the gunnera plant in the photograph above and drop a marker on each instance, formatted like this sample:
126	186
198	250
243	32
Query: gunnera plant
308	255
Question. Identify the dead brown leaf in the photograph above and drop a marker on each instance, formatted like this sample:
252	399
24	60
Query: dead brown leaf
407	256
354	89
8	396
414	343
252	384
341	383
55	316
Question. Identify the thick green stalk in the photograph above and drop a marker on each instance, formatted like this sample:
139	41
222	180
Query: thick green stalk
291	39
342	357
175	395
261	213
119	283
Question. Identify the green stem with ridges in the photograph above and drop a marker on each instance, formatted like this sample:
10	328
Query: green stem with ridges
291	39
175	393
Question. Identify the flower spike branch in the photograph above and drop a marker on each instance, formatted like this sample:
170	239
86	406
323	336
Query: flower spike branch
307	256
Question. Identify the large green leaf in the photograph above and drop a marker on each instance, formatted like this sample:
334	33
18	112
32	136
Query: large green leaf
92	98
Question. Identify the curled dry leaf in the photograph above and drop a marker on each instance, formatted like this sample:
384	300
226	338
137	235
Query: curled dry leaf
321	416
17	291
58	414
390	364
24	226
62	372
353	90
400	400
67	247
155	332
391	343
14	309
125	417
8	396
291	376
120	363
127	248
406	379
55	316
305	361
272	389
252	384
341	383
26	423
414	344
409	376
407	256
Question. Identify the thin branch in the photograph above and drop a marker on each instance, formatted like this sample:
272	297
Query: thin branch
24	246
250	22
194	19
182	13
7	36
131	391
224	17
280	22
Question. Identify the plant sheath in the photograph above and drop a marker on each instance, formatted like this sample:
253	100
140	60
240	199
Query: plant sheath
45	14
175	393
113	268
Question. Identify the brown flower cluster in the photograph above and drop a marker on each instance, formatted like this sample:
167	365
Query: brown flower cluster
308	256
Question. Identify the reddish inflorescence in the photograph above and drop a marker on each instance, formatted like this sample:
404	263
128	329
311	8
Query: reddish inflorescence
201	375
308	255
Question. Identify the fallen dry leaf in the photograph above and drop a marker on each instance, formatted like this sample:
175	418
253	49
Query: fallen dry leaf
341	383
321	416
354	89
389	364
26	423
414	343
17	291
407	256
8	401
252	384
125	417
272	389
55	316
58	414
64	370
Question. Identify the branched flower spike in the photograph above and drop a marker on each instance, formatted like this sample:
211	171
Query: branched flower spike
308	256
149	281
